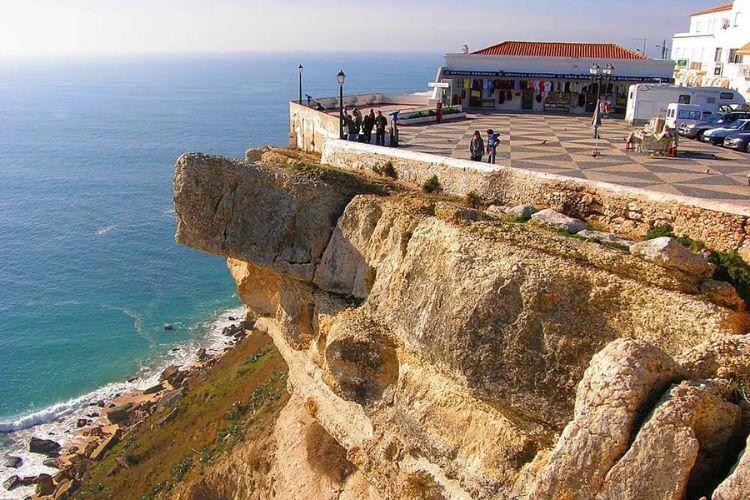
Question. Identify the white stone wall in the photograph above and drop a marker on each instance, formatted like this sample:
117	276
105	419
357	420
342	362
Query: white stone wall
628	211
310	129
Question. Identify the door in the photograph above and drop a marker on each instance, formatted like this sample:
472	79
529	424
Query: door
527	100
475	99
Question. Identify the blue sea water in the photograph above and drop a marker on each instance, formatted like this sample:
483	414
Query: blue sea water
89	270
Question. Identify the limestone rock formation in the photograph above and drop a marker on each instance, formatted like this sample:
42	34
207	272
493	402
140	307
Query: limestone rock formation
670	253
556	220
681	443
605	237
278	218
618	385
737	484
444	349
522	211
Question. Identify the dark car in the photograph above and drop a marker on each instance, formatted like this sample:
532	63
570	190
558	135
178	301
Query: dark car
740	142
717	135
716	120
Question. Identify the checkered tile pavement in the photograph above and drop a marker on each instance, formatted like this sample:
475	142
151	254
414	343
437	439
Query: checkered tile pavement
563	144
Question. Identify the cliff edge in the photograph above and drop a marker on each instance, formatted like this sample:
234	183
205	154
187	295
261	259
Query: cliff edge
451	352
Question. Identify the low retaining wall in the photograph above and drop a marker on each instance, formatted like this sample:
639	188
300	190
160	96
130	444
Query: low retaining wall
625	210
363	100
309	129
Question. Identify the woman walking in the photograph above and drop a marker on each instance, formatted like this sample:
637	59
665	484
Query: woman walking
476	148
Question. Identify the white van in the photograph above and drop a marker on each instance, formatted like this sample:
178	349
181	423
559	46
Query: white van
649	100
679	115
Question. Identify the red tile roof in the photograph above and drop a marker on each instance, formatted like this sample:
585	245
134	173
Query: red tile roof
561	49
718	8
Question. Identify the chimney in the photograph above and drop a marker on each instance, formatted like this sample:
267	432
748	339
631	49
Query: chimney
465	49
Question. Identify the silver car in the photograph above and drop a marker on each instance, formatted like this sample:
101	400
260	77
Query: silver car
740	142
717	135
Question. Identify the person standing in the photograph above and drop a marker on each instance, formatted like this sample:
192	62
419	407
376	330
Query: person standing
367	125
352	128
357	121
476	147
380	123
493	141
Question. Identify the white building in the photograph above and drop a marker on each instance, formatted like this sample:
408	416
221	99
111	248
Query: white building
546	76
716	50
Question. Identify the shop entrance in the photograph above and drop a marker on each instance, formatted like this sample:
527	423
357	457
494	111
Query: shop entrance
591	98
475	98
527	100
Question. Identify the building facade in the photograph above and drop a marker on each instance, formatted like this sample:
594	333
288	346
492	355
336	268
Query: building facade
715	52
545	76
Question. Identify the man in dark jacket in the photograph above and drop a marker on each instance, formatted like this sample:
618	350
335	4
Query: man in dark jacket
352	128
367	126
380	123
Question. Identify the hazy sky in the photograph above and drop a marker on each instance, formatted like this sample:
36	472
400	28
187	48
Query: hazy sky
105	27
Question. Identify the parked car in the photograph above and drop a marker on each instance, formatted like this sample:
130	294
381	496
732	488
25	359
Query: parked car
681	115
716	136
696	130
740	142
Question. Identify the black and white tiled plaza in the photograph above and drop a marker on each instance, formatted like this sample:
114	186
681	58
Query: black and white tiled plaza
563	144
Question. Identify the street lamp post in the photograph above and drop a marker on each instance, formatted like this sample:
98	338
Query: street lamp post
341	77
299	70
600	76
644	40
664	49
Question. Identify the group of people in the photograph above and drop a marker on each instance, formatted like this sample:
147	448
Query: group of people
605	106
477	147
359	128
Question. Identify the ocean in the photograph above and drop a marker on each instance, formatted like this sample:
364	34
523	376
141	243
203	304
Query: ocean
89	270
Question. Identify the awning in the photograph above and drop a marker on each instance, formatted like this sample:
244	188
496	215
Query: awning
744	51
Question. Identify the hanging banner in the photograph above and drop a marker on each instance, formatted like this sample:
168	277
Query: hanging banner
554	76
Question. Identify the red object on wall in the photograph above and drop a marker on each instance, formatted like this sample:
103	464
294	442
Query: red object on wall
439	112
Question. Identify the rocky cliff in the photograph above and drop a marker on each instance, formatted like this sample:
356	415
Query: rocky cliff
452	353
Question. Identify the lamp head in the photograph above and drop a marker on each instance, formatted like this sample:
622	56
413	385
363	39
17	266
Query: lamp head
595	69
299	69
341	77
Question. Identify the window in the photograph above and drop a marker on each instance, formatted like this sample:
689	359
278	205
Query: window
698	26
737	18
733	57
726	95
717	56
684	99
688	114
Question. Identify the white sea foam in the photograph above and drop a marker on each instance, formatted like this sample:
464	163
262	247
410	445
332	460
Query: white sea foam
105	230
58	421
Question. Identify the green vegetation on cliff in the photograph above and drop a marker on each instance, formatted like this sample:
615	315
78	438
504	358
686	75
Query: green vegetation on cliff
236	400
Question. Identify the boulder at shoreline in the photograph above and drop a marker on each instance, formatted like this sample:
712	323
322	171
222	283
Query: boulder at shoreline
43	446
11	461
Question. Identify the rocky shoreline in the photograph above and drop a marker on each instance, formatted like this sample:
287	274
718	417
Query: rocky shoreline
111	421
